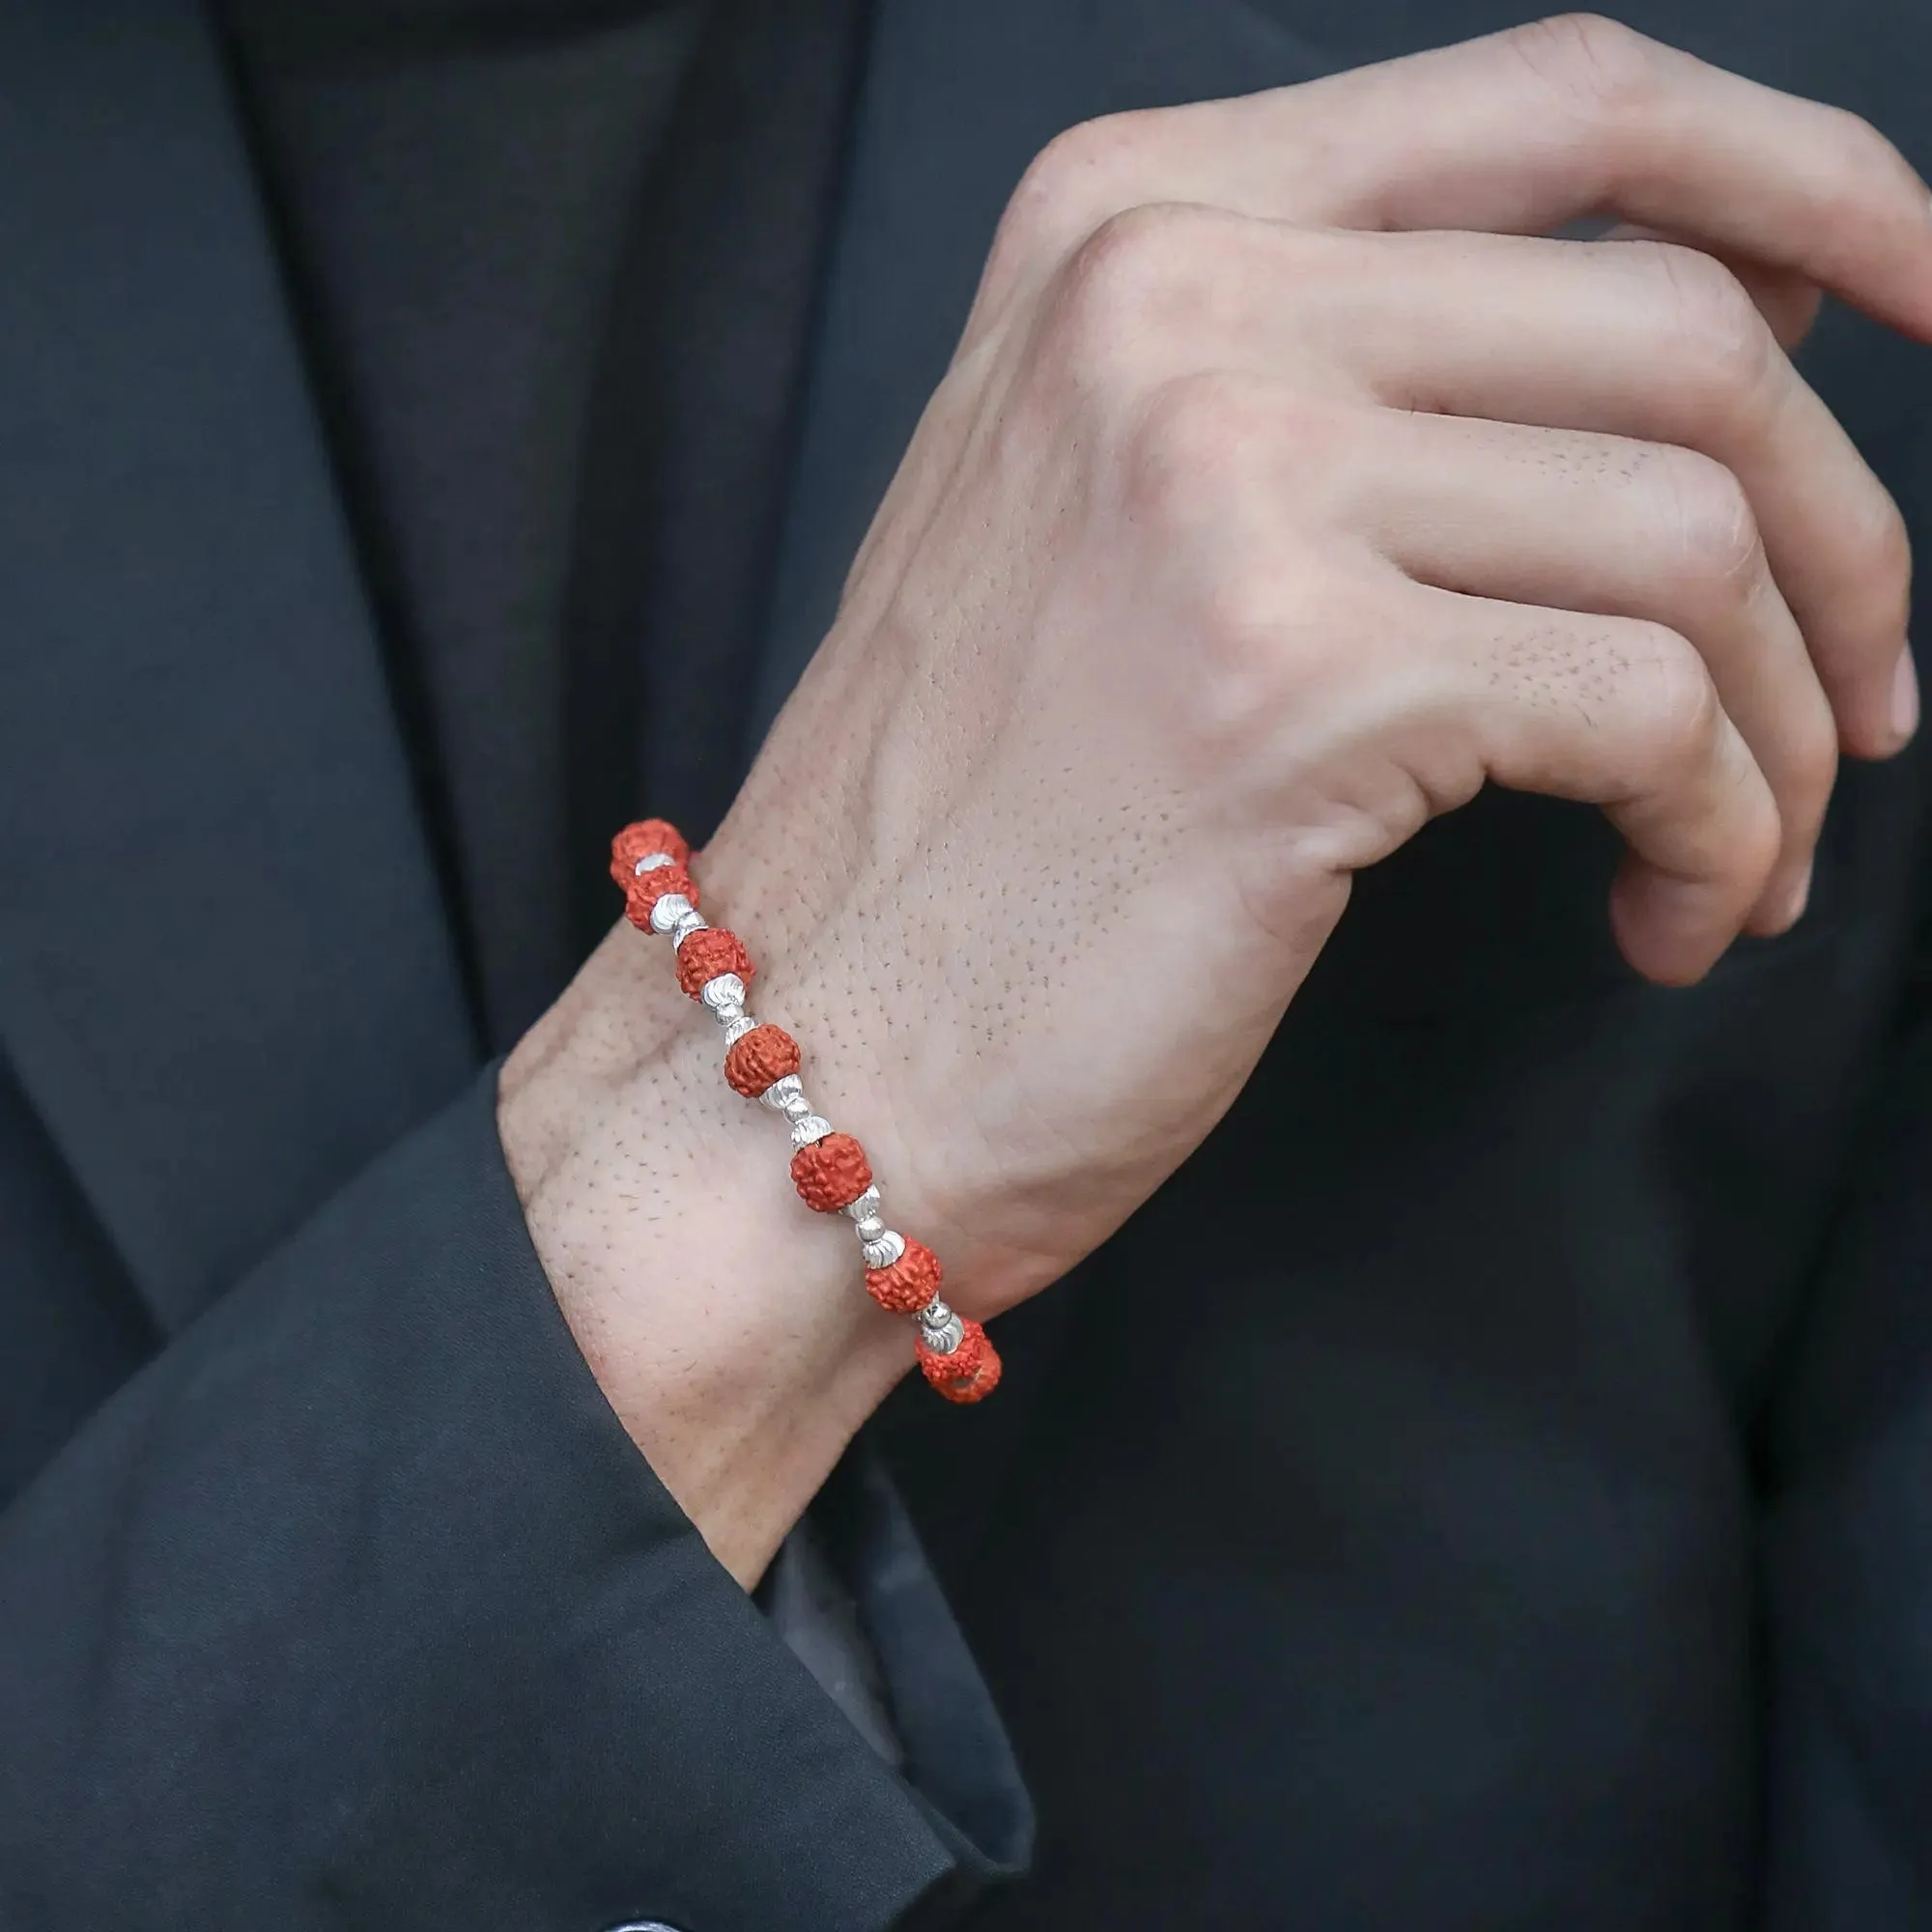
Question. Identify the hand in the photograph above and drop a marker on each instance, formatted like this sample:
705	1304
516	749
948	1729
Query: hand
1246	533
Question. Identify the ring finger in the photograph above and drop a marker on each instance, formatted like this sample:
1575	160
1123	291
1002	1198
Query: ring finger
1602	523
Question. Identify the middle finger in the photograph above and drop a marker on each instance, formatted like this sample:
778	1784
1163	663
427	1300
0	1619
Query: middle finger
1657	343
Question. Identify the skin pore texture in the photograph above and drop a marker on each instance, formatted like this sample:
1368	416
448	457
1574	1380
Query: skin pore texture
1289	485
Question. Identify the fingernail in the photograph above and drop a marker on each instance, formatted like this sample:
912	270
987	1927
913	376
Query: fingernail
1904	698
1798	900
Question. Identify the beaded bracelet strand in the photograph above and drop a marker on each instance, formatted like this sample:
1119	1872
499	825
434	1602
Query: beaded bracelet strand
651	860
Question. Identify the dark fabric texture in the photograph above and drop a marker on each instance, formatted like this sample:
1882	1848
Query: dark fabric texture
560	271
704	352
920	1702
354	1605
357	1608
73	1328
217	916
1847	1551
455	214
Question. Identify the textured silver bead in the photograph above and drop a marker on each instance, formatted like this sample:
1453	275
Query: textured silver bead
726	989
885	1251
690	923
868	1227
737	1027
780	1093
942	1335
668	910
809	1129
867	1204
796	1108
651	862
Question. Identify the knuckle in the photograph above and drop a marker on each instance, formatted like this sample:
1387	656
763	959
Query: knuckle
1281	609
1681	713
1051	177
1131	254
1596	64
1713	527
1712	327
1871	161
1811	752
1191	434
1885	575
1238	641
1206	469
1203	441
1064	187
1115	285
1743	842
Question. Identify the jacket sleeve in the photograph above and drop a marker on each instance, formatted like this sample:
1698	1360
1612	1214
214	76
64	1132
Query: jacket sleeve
357	1608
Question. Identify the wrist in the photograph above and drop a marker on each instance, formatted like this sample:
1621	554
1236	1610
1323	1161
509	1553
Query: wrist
726	1323
846	965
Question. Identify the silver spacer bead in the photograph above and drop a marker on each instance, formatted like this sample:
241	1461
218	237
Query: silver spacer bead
808	1128
690	923
737	1027
885	1251
868	1227
940	1329
726	989
867	1204
652	861
668	910
780	1093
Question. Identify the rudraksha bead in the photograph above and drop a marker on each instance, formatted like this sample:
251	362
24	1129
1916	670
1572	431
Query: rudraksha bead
986	1380
706	954
643	890
909	1284
970	1373
763	1056
830	1172
639	841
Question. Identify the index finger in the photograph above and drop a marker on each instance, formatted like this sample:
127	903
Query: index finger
1520	133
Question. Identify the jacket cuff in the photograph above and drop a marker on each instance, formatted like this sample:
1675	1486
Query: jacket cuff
853	1595
377	1617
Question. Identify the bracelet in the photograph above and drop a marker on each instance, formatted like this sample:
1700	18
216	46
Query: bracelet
651	860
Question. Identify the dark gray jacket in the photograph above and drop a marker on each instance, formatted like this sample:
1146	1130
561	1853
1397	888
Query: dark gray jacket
1485	1488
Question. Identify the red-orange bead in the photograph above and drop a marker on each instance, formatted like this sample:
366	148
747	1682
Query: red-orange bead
706	954
831	1174
984	1381
963	1363
765	1054
970	1373
909	1284
643	890
639	841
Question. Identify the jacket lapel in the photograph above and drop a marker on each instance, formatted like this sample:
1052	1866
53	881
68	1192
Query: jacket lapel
226	975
